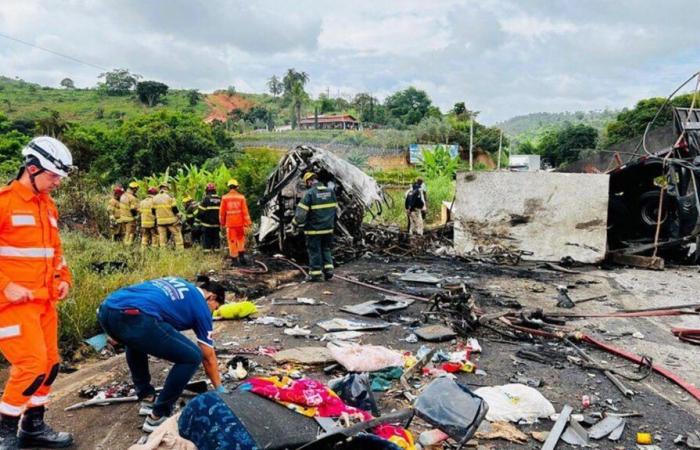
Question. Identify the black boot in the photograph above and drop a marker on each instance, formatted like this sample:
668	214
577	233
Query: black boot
33	431
8	433
243	259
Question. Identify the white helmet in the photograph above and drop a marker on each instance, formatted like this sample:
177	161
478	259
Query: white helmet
50	154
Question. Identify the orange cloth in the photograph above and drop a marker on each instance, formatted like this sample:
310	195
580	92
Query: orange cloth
234	210
236	240
31	256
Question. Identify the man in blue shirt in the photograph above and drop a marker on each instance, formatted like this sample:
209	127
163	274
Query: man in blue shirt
147	318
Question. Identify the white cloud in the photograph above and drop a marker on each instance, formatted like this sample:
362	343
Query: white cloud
502	57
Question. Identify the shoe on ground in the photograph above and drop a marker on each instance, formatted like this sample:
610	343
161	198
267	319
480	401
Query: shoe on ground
146	406
46	438
327	276
9	441
152	423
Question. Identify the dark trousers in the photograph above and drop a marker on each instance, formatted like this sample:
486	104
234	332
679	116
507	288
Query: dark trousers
210	238
145	335
320	248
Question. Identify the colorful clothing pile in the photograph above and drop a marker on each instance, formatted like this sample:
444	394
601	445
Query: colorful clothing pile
314	399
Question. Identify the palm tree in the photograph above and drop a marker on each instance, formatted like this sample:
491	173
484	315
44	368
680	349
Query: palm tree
298	97
275	85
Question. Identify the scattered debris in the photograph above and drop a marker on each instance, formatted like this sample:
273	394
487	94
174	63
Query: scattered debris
605	427
452	408
339	324
304	355
378	307
364	358
515	403
501	430
558	428
435	333
574	434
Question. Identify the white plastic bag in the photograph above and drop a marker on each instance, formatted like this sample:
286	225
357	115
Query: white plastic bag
515	402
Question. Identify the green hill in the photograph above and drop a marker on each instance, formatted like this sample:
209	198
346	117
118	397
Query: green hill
530	126
22	100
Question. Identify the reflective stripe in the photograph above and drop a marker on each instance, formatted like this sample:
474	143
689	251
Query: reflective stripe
27	252
303	206
315	272
53	222
324	206
312	232
11	331
210	208
328	266
11	410
206	225
19	220
36	400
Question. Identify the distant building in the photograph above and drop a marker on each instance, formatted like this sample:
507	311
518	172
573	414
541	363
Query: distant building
524	163
339	122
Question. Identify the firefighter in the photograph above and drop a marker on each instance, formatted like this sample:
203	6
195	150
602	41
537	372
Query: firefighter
316	213
191	231
207	216
166	217
116	231
234	216
128	210
148	219
33	278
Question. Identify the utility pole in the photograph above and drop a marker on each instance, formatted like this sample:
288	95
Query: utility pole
500	146
471	145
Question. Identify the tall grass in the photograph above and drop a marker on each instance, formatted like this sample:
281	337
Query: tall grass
78	318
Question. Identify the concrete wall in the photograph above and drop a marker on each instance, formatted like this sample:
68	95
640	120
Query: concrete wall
551	215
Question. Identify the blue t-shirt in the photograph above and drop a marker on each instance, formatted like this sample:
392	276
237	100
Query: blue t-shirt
172	300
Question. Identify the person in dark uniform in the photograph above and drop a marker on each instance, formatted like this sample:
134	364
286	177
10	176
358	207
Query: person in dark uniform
207	216
317	213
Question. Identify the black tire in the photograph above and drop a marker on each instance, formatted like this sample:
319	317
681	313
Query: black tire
649	209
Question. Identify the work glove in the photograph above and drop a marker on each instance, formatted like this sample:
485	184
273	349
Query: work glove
222	389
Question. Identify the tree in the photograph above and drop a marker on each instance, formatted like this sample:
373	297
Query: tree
291	78
325	104
193	97
364	103
150	92
409	106
119	81
51	125
563	145
527	148
298	97
231	90
275	86
67	83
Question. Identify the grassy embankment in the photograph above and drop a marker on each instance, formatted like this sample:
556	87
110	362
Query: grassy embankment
90	286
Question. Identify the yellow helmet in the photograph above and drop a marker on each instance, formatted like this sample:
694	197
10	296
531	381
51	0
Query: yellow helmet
134	185
186	199
308	176
232	183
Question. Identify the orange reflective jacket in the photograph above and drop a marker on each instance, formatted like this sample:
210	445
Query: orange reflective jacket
30	247
234	211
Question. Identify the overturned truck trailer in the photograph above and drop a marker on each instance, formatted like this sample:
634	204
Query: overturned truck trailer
357	194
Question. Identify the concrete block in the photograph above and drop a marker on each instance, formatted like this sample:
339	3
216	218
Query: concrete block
549	214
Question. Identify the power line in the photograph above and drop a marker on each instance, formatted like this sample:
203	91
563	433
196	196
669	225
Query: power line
52	52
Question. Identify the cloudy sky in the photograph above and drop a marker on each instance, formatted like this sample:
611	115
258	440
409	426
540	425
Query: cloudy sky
502	57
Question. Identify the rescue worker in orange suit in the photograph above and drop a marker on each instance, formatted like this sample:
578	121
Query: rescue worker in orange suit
234	216
33	278
128	210
167	218
116	231
207	217
147	212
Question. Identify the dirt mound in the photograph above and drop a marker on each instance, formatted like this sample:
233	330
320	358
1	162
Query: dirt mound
221	103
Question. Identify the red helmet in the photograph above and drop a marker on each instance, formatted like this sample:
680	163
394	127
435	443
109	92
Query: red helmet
152	190
211	187
118	190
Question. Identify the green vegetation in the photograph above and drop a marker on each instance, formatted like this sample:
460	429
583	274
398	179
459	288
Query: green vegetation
90	285
531	127
562	145
631	123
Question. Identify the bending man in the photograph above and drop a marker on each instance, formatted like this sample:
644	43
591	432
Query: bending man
147	318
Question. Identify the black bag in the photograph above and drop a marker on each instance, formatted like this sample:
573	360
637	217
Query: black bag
415	199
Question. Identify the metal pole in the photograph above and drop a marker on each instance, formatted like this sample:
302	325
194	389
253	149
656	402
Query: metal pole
471	145
500	146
